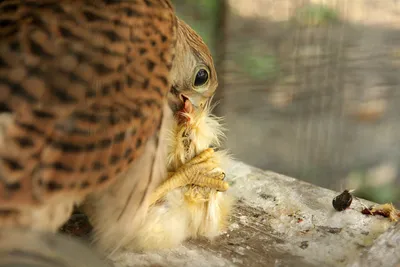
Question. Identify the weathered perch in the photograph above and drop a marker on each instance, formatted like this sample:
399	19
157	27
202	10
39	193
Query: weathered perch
280	221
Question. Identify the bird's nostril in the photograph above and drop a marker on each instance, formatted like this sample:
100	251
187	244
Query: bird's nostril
183	98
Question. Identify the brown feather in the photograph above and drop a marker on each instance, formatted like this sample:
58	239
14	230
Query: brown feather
115	213
191	51
85	83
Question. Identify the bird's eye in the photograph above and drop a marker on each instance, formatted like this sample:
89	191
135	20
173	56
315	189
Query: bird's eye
201	78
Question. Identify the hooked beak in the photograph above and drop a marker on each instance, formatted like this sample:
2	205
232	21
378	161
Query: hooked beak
177	99
197	100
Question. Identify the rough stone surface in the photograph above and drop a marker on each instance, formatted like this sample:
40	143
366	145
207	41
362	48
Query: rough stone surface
281	221
384	252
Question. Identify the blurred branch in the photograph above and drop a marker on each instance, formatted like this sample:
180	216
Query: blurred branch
220	39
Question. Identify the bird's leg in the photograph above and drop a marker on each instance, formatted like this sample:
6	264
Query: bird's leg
199	171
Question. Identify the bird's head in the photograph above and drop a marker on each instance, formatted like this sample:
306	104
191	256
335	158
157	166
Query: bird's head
193	74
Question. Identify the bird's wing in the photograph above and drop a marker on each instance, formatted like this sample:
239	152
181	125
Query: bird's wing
83	83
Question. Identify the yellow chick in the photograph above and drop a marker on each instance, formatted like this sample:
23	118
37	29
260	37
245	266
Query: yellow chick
118	211
190	211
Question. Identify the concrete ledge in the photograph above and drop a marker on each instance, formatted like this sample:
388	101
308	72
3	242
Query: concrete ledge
280	221
384	252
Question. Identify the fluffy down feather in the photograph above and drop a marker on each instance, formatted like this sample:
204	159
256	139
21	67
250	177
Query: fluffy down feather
191	211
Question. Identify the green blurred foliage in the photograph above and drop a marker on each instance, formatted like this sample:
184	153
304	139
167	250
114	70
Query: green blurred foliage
315	15
385	193
201	16
382	194
264	66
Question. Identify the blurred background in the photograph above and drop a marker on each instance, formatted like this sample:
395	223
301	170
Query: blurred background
309	88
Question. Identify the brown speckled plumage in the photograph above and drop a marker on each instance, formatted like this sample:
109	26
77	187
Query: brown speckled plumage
84	83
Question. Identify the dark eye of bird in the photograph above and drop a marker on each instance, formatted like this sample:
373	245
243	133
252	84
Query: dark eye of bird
201	77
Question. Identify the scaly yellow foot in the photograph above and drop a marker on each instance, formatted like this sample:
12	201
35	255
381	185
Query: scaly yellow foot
200	171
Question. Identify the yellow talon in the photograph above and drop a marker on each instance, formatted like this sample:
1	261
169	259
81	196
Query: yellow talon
196	172
203	156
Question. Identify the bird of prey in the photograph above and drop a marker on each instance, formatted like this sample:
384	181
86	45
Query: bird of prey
115	216
190	211
88	90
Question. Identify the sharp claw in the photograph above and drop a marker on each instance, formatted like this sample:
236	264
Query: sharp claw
226	187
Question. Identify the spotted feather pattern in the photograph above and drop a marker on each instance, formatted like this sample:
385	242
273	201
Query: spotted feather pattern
84	82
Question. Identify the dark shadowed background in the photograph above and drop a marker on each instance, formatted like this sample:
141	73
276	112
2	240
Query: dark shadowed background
309	88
